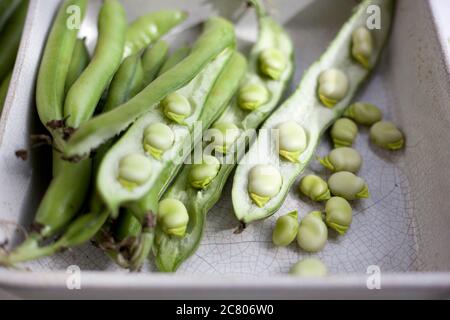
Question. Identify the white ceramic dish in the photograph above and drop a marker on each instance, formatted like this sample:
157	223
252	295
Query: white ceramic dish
402	231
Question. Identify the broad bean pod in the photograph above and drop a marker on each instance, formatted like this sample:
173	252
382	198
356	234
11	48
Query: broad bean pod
85	93
171	252
55	65
218	36
149	28
307	109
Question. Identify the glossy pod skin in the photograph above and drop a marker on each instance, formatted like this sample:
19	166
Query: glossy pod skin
55	65
170	252
153	59
80	59
10	38
218	35
176	57
343	159
305	108
149	28
86	92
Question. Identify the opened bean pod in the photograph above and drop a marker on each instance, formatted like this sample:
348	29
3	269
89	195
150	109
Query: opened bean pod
324	93
387	136
217	36
171	252
313	233
343	159
309	268
286	229
153	59
315	188
338	214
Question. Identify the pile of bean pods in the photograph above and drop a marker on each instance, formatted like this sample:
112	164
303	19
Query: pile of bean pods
12	20
121	120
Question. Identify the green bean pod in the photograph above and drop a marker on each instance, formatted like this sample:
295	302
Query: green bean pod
307	108
4	90
175	58
86	92
55	65
149	28
86	226
171	252
127	82
10	38
7	8
118	182
153	59
218	36
79	62
146	209
64	197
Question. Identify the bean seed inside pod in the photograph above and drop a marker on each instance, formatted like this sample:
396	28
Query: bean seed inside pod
292	140
134	170
386	135
201	175
225	134
343	133
343	159
158	138
333	87
339	215
313	233
285	230
362	46
314	188
173	217
309	268
348	186
176	107
264	183
253	96
365	114
272	63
